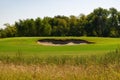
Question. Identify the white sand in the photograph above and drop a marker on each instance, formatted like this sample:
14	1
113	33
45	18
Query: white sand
51	44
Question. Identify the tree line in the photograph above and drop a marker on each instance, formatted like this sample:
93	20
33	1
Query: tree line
100	23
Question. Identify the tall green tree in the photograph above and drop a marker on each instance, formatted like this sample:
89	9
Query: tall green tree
46	27
9	31
113	22
20	28
81	24
60	27
73	25
97	21
38	25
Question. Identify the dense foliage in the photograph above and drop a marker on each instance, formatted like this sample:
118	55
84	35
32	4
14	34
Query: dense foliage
101	22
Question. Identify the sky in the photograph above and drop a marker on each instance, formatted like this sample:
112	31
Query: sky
13	10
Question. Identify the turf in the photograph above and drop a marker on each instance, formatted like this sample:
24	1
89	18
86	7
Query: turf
29	46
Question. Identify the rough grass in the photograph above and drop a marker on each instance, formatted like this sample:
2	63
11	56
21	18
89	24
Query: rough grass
105	67
48	72
76	60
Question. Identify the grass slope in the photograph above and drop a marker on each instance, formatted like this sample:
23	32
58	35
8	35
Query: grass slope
28	45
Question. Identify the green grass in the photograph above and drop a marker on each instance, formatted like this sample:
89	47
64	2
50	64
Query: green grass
27	50
20	59
23	59
29	46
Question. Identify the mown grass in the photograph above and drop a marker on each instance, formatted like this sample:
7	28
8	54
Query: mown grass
29	46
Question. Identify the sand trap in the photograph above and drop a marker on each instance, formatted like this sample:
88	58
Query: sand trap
60	42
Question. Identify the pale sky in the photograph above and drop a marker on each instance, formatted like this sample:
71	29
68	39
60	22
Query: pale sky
13	10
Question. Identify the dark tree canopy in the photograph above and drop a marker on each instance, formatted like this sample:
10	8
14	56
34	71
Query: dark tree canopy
100	23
